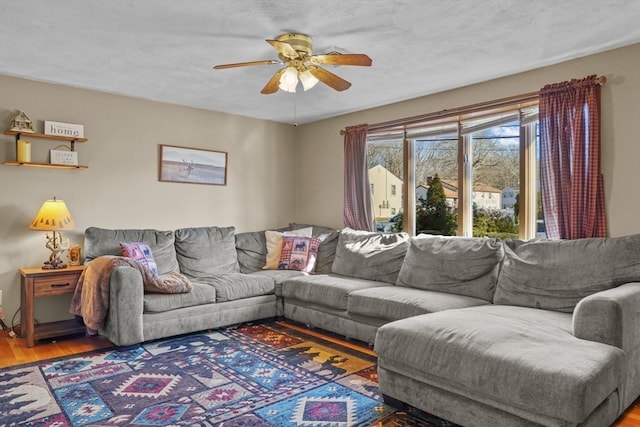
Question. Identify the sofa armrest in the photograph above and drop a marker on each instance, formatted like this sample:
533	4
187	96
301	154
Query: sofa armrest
610	317
123	325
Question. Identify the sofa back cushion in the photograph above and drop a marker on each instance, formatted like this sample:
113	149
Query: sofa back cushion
557	274
206	251
456	265
251	249
371	256
101	241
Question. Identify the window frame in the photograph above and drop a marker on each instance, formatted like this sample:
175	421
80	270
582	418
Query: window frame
467	120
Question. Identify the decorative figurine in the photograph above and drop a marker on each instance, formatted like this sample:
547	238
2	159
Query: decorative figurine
22	123
74	255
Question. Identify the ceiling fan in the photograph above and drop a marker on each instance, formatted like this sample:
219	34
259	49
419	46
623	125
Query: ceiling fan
295	53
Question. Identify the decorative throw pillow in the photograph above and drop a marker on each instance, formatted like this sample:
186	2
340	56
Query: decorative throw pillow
274	244
299	253
140	253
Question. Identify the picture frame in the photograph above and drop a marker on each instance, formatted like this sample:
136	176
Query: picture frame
192	165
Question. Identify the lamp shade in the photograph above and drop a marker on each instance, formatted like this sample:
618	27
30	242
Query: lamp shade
53	216
289	80
308	80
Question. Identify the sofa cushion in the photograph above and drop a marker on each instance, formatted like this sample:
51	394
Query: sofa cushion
279	276
206	251
325	289
505	355
299	253
557	274
457	265
200	294
101	241
234	286
397	302
251	248
370	256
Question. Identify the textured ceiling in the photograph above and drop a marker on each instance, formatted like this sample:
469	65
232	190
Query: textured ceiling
164	50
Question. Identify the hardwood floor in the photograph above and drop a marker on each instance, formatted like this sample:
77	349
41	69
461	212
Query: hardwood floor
14	351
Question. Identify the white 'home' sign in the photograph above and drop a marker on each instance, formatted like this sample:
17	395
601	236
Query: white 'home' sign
63	129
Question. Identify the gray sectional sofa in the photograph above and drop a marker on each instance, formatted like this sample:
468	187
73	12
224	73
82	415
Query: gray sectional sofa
478	331
225	268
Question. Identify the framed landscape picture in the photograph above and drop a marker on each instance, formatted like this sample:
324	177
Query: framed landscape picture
193	165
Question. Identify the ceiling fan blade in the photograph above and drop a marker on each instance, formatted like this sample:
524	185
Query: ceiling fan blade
273	84
246	64
342	59
283	48
330	79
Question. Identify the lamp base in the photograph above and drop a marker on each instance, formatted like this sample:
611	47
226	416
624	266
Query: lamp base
54	264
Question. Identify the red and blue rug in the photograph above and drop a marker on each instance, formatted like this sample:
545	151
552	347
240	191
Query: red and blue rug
244	375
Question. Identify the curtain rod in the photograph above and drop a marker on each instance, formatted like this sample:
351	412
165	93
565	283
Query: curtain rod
525	97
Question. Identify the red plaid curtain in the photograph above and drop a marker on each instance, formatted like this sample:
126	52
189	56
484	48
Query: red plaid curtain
571	181
358	211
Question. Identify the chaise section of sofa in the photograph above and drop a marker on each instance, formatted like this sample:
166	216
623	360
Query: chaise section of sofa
559	346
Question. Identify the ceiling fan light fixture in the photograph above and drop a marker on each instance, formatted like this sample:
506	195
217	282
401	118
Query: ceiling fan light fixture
289	80
301	65
308	80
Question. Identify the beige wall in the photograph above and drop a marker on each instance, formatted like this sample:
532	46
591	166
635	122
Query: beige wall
120	189
321	153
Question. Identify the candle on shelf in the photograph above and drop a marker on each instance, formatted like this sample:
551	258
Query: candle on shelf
24	151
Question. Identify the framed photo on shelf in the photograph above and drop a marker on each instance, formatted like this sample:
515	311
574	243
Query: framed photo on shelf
192	165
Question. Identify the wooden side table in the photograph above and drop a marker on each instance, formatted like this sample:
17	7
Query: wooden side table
36	283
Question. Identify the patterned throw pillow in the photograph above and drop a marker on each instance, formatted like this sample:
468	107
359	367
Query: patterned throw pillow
274	244
141	253
299	253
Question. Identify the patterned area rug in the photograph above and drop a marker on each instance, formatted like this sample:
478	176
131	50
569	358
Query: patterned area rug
245	375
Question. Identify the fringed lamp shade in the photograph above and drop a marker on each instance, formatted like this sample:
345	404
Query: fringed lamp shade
53	216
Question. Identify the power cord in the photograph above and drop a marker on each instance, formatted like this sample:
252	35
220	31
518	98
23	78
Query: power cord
12	332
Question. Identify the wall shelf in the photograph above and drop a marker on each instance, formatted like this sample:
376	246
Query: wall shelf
43	136
70	139
44	165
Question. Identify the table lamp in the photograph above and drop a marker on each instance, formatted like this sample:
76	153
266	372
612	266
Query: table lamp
54	216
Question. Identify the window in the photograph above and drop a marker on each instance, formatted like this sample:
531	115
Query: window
495	167
385	173
472	173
